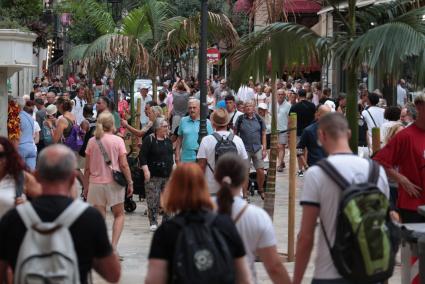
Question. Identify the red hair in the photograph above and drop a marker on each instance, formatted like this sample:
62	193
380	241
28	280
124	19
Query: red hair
14	162
187	190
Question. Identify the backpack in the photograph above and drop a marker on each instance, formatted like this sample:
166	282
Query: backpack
47	134
75	139
223	146
366	240
202	254
47	253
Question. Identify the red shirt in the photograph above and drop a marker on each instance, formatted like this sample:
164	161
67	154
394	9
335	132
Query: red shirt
406	151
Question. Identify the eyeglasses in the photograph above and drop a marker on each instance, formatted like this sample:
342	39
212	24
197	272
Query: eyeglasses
165	126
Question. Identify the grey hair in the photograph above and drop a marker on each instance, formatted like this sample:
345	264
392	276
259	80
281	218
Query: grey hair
193	100
249	102
56	163
157	123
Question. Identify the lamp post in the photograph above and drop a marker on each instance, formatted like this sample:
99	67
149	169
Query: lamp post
115	7
202	73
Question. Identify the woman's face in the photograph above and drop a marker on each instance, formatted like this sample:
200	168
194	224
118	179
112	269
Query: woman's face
163	130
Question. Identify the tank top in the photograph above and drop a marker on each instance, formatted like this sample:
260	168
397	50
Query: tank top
67	130
7	194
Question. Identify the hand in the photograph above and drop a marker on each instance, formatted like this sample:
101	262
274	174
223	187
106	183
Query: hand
264	153
124	123
147	175
411	189
19	200
130	190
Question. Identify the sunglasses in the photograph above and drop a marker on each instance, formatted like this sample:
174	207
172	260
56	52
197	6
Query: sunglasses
3	155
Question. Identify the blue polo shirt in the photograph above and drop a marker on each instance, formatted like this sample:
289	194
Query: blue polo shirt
188	130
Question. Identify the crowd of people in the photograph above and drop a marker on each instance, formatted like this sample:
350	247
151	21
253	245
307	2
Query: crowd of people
76	133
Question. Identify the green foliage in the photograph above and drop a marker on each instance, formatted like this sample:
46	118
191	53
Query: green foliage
189	8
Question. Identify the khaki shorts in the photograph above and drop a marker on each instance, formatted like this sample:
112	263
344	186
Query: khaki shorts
283	138
257	159
105	194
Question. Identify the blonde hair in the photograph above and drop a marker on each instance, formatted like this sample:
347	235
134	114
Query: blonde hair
392	131
105	123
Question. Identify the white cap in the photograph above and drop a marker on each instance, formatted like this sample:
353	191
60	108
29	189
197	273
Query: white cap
263	106
330	104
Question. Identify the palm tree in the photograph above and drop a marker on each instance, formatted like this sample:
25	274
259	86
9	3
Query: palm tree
397	33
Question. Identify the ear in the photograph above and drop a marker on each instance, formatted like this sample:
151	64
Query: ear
349	134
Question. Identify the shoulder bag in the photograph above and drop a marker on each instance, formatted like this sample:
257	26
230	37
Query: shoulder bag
117	175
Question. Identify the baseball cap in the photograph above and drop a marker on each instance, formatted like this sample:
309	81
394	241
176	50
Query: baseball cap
262	106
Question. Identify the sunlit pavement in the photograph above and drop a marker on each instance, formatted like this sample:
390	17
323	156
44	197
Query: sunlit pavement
136	237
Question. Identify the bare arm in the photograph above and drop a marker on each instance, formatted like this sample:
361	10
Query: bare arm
178	148
243	275
31	187
125	169
108	267
412	189
274	265
157	272
86	176
188	90
134	131
264	142
305	241
58	132
203	164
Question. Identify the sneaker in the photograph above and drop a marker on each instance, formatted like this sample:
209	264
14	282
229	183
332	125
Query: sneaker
280	169
153	228
300	173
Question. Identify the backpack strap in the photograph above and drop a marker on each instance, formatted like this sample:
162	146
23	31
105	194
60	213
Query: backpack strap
217	136
333	174
373	172
71	213
240	213
374	123
230	137
28	215
19	189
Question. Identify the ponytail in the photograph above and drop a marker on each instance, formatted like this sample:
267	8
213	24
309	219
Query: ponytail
225	197
98	132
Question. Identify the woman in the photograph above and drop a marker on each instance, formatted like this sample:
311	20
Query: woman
156	159
181	94
186	194
13	172
65	122
100	189
211	99
152	113
49	125
253	223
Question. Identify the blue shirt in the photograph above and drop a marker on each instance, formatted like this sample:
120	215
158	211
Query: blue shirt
188	130
27	128
309	140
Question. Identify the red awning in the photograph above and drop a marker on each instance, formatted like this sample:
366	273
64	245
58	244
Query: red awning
302	6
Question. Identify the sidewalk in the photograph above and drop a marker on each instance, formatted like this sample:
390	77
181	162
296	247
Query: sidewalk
135	240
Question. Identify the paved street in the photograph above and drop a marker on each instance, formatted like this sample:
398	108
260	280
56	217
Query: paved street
136	238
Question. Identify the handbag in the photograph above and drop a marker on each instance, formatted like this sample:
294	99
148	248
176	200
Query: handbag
117	175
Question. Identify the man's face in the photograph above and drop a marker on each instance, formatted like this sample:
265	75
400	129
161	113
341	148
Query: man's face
193	110
144	92
66	95
230	106
148	110
249	108
280	97
222	85
100	105
81	93
241	108
262	112
51	98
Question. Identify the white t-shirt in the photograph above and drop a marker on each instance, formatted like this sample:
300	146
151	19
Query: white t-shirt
319	190
234	116
207	151
401	95
377	114
255	229
77	110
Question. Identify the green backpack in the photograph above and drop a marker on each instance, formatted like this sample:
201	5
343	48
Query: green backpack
366	239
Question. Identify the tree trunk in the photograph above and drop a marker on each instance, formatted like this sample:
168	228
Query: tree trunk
352	109
269	201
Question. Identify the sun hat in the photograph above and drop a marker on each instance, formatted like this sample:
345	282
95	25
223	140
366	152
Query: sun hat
220	117
262	106
51	110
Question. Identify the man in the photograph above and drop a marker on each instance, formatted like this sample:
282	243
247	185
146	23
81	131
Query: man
401	93
321	197
408	114
79	103
206	154
215	82
51	98
40	116
283	108
27	148
252	129
406	152
305	111
187	141
373	115
232	111
309	138
221	92
56	87
145	97
56	174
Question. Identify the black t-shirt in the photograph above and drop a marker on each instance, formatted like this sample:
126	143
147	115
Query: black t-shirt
309	140
305	111
88	232
157	155
165	238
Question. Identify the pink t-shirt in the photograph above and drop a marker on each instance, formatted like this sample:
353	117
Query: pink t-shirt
114	146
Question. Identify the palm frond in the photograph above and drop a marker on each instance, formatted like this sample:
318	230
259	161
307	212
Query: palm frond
76	53
289	45
136	25
99	17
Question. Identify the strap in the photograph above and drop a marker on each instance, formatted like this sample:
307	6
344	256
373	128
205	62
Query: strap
71	213
28	215
230	137
374	123
328	243
20	184
105	155
373	172
240	213
217	136
333	174
209	166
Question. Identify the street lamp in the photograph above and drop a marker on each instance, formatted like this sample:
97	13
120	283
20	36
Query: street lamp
202	75
114	6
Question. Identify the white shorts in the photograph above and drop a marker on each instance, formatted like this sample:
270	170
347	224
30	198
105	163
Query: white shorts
105	194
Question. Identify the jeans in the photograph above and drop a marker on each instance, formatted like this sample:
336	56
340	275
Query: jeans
28	153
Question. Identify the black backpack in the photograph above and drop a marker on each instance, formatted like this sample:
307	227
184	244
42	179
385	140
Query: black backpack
202	254
223	146
366	239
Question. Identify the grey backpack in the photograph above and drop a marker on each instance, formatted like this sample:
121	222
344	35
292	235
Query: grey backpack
47	253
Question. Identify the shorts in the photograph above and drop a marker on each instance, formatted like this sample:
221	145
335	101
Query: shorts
300	151
81	161
257	159
283	138
105	194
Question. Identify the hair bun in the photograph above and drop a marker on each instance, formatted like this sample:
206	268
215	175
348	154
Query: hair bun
227	180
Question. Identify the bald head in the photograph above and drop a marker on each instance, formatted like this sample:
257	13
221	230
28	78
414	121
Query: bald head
335	125
322	110
56	163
